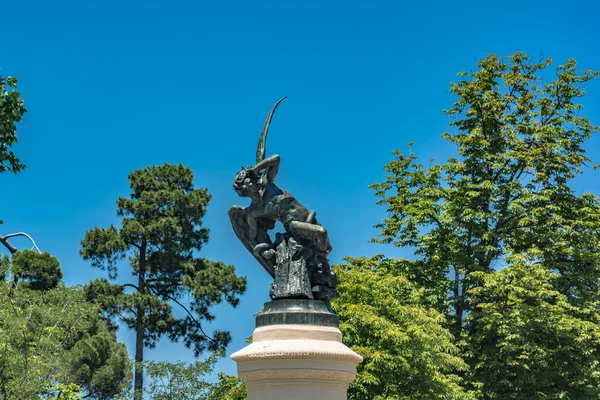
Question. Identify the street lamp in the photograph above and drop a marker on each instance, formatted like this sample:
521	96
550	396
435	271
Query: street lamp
13	249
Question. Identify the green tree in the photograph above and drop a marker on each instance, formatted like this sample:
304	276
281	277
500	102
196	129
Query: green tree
51	337
407	351
179	380
528	340
63	392
12	109
161	228
228	387
42	335
519	135
97	362
38	271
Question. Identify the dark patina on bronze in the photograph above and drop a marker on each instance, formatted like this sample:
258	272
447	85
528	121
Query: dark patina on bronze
297	311
297	258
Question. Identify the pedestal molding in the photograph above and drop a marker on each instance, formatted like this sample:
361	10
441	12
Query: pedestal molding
294	376
297	348
297	362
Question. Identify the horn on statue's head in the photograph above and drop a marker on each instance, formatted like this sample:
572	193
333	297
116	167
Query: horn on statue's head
261	150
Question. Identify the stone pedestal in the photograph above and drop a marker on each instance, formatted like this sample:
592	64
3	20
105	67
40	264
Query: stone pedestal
297	354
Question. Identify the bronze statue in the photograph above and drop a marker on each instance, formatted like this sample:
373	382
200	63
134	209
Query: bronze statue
297	259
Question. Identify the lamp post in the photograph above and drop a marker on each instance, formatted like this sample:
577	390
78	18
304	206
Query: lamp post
13	249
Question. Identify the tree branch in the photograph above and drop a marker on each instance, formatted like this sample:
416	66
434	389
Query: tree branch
131	285
189	313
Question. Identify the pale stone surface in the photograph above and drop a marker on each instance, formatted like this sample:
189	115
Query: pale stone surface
297	362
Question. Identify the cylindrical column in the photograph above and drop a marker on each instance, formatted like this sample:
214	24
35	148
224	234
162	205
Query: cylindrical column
296	360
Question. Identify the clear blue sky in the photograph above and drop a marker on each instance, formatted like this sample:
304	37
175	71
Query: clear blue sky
112	86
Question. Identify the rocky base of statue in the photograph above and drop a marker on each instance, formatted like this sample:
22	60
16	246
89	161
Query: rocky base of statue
297	354
301	271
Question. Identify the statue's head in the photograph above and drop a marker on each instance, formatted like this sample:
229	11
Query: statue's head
246	183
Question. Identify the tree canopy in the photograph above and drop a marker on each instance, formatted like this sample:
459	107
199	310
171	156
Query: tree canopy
407	351
12	109
506	202
52	338
527	341
161	229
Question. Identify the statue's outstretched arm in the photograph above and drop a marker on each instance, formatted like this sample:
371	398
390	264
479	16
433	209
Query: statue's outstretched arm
271	164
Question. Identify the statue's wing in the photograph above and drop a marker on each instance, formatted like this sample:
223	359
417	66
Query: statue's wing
239	221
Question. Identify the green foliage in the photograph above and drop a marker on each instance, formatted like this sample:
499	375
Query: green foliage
174	381
180	380
170	381
228	388
4	267
520	143
38	271
43	339
63	392
528	341
161	228
12	109
98	363
506	197
408	353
